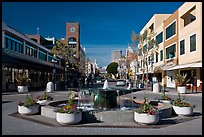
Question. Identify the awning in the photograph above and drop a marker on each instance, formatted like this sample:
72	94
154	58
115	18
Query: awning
168	66
191	65
196	65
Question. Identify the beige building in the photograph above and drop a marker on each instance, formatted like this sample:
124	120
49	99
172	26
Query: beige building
179	36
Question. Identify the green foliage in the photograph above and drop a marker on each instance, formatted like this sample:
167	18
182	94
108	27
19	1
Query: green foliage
181	102
146	107
22	79
112	68
69	107
45	96
181	80
165	97
29	101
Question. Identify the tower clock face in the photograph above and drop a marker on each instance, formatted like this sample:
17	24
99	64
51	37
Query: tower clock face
72	29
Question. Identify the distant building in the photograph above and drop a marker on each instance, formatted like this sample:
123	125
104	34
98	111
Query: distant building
49	43
116	55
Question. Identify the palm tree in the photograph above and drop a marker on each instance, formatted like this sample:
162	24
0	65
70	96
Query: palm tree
150	48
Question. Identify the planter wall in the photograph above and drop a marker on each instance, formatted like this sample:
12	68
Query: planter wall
186	111
144	118
65	118
28	110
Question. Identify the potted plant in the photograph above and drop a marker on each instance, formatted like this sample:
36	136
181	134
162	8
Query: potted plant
29	106
44	98
165	98
146	113
22	82
181	81
181	107
69	113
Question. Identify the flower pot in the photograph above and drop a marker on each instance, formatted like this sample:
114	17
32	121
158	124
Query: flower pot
181	89
144	118
186	111
65	118
42	101
165	101
22	89
28	110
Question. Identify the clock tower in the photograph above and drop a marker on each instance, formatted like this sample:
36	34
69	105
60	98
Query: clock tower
73	36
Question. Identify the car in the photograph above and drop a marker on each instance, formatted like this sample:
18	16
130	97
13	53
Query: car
98	80
120	82
111	80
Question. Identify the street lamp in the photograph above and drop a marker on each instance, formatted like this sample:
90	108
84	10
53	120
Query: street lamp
54	70
135	65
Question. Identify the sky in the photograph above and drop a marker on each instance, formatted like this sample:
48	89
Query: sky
104	26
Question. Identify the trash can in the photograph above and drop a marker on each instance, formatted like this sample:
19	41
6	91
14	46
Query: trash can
50	87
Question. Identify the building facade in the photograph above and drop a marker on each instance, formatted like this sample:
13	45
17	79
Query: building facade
21	53
179	36
116	55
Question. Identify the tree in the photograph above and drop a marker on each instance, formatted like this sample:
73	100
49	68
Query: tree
147	50
112	68
65	51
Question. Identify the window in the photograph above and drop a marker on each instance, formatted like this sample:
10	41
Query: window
182	47
149	60
72	39
156	57
9	44
188	17
141	63
150	44
140	52
159	38
6	43
145	48
171	51
161	55
171	30
193	43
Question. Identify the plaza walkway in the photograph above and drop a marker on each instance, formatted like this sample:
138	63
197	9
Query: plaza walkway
16	126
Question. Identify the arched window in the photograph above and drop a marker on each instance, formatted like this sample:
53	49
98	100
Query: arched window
72	39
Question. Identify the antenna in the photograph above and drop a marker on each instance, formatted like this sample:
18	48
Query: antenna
38	31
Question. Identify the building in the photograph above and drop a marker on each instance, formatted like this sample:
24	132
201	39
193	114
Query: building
21	53
179	36
116	55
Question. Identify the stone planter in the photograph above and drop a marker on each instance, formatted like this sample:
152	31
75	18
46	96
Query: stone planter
22	89
65	118
28	110
143	118
181	89
185	111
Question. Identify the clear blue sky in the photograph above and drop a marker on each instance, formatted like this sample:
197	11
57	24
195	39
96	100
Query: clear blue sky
104	26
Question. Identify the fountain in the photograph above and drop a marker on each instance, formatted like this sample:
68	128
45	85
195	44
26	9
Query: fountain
105	85
105	98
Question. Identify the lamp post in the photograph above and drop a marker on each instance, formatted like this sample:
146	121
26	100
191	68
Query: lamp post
54	70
